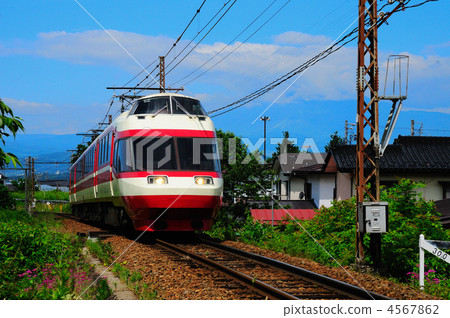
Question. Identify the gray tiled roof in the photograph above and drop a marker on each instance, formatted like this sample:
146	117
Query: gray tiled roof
294	161
407	153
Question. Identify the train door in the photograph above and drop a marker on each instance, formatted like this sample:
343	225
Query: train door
111	160
75	184
96	148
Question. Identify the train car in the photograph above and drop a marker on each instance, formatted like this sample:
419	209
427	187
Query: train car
155	166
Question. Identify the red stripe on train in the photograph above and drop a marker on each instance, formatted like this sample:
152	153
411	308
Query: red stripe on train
143	174
165	132
137	202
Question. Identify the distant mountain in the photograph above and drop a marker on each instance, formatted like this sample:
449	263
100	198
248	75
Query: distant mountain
25	145
43	148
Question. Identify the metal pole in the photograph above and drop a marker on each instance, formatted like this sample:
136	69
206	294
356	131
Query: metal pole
271	194
367	149
26	186
421	262
346	132
32	185
265	119
162	75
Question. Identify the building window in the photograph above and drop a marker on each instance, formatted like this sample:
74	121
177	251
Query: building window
446	188
286	189
308	195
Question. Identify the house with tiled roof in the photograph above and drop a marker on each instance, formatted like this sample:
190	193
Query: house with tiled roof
301	176
424	159
322	178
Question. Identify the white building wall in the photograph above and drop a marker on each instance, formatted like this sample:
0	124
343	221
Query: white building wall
297	185
282	189
344	186
322	187
433	190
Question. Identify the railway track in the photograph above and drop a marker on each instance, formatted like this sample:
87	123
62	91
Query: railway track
268	277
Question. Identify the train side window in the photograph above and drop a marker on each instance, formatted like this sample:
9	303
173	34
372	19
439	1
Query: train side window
122	156
100	152
108	150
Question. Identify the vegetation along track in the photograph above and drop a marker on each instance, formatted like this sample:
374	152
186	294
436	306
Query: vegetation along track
268	277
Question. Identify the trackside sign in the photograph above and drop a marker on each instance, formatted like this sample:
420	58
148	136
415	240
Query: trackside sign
434	247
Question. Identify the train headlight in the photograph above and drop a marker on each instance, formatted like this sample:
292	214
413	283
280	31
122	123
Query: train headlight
157	180
203	180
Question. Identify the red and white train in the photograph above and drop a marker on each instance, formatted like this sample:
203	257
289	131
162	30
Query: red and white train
156	166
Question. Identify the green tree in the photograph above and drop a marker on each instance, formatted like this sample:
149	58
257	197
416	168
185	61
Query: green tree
244	176
409	216
9	124
286	145
80	149
336	140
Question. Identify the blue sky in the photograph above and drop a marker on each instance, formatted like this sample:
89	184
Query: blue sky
56	62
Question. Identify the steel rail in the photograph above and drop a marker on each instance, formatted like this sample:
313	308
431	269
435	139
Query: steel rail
254	284
340	287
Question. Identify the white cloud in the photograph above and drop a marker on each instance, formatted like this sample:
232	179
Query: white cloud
444	110
249	68
301	39
16	104
92	47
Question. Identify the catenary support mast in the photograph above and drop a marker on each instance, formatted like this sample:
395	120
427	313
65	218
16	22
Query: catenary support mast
367	143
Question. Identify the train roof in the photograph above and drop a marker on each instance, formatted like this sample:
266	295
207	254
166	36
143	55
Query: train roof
165	94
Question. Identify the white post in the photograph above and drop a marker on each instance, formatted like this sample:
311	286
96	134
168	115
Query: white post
271	194
421	261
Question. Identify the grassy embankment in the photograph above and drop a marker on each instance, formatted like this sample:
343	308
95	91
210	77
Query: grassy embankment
39	262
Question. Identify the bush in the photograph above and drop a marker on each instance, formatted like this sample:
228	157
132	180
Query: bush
409	216
41	263
6	201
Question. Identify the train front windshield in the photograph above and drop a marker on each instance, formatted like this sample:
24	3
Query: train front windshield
168	153
163	105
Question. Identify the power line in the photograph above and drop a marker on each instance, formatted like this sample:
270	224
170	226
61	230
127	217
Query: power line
229	43
298	47
187	54
349	37
190	22
171	48
199	32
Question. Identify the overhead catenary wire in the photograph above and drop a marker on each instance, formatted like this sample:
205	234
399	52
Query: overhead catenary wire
349	37
301	46
229	43
199	32
170	50
209	31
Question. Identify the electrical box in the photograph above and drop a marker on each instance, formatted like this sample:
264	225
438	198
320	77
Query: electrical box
373	217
